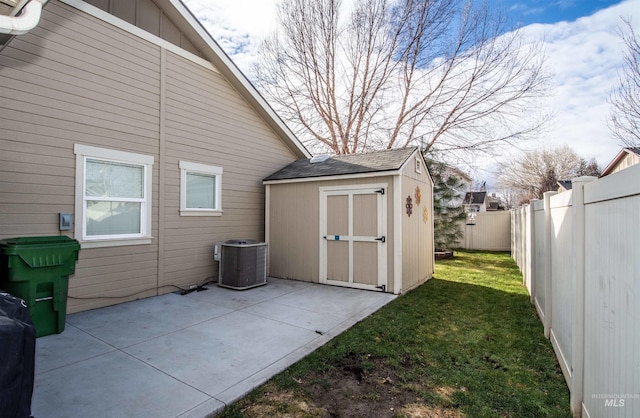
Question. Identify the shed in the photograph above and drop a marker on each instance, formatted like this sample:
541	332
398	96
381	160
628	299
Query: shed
358	220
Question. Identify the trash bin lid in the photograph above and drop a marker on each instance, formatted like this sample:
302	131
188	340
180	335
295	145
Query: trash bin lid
47	240
42	251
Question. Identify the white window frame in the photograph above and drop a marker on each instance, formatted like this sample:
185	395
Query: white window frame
84	152
197	168
418	165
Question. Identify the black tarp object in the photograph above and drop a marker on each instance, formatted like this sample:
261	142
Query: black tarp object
17	357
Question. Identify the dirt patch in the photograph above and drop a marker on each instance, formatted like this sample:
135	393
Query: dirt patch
282	404
367	387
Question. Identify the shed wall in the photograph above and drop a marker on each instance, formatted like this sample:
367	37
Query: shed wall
294	227
76	79
417	232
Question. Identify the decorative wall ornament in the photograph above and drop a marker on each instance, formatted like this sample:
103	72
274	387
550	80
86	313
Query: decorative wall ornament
418	195
425	214
409	206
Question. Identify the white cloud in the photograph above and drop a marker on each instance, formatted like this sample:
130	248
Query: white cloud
237	25
585	56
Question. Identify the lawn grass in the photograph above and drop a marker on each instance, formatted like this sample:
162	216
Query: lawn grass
465	344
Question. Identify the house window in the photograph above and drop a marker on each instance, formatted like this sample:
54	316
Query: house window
113	197
418	165
200	189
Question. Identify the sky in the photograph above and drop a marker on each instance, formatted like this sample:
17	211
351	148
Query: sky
583	47
553	11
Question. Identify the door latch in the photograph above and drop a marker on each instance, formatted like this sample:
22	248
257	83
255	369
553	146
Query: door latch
382	239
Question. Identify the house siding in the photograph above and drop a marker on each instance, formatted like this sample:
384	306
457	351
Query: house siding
146	15
76	79
207	122
628	160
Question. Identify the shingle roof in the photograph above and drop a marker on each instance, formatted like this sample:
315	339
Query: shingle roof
478	198
338	165
566	184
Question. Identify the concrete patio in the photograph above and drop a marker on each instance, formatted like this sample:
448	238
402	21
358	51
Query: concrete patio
188	356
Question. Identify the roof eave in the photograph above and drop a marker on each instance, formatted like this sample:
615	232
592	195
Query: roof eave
608	169
367	174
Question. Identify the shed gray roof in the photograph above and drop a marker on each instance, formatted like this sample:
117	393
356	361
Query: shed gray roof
339	165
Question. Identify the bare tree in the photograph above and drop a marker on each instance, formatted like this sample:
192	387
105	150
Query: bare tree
443	73
538	171
624	120
512	198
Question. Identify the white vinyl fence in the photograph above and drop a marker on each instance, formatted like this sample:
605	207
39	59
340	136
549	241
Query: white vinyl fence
579	253
491	232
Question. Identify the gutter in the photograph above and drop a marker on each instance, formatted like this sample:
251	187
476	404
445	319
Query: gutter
23	23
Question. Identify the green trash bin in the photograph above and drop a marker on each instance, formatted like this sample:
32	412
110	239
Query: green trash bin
37	270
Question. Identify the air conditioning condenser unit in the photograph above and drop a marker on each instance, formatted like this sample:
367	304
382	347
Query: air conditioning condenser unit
243	264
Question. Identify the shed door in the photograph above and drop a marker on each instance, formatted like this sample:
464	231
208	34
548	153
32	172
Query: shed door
353	236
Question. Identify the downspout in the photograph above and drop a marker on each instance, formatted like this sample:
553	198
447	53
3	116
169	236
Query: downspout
23	23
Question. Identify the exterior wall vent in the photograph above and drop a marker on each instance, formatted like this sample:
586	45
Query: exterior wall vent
243	264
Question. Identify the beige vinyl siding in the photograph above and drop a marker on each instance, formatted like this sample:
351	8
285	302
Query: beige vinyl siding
628	160
146	15
293	239
207	122
76	79
417	236
71	81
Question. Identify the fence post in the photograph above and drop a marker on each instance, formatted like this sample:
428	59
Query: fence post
577	377
547	263
532	252
513	234
526	245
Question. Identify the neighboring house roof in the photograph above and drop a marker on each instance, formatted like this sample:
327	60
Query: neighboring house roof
618	158
565	184
474	198
349	164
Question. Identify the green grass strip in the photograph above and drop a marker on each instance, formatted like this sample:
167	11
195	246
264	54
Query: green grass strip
466	343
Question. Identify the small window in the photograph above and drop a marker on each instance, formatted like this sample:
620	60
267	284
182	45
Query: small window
113	197
200	189
418	165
